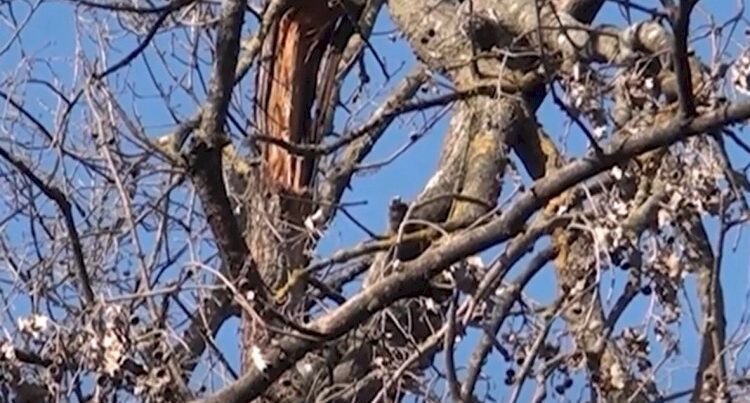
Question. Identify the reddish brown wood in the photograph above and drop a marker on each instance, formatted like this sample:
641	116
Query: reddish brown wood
287	90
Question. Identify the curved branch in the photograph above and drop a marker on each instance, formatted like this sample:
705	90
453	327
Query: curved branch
64	205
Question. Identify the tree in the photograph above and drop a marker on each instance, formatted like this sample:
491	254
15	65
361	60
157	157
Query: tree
171	166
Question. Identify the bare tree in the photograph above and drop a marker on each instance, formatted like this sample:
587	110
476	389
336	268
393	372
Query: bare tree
175	174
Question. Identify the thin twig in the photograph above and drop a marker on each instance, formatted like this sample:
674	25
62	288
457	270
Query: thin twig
64	205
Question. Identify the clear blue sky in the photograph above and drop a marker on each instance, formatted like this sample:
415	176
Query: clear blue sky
51	35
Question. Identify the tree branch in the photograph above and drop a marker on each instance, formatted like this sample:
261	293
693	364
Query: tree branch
414	275
681	26
64	205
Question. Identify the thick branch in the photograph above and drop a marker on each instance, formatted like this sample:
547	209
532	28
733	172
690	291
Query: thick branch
205	163
681	26
222	78
710	376
414	275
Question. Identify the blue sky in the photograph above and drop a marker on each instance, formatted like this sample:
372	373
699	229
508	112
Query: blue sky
51	35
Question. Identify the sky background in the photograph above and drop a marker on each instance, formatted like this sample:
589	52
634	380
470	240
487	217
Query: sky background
49	41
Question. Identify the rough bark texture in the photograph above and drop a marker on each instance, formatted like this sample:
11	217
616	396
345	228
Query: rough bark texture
449	46
278	194
356	367
414	275
629	206
442	43
303	56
